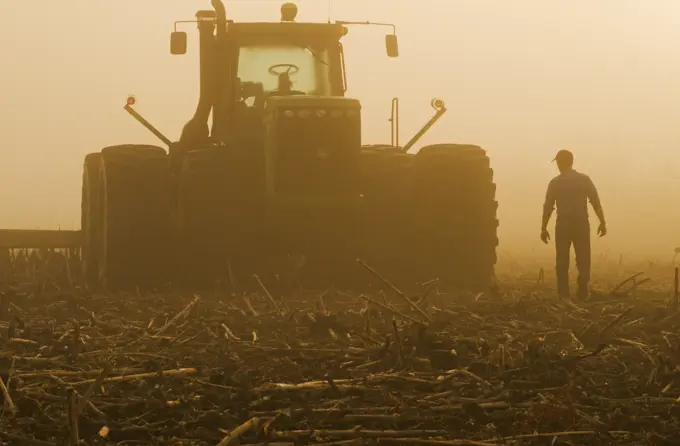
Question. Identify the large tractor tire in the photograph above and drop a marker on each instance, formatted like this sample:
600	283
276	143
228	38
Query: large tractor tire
134	236
88	219
385	174
431	215
221	217
454	215
202	219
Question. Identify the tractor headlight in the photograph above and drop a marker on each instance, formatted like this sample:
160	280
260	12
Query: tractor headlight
321	113
288	113
336	113
304	113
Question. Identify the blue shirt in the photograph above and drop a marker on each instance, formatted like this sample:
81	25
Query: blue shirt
570	192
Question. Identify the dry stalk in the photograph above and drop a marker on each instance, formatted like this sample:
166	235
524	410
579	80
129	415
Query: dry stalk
6	396
622	283
73	415
676	292
560	434
392	310
268	294
246	301
618	319
97	384
228	334
89	404
176	373
185	312
75	349
422	441
234	435
400	346
396	290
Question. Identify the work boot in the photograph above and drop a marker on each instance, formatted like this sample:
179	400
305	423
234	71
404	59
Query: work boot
582	293
563	289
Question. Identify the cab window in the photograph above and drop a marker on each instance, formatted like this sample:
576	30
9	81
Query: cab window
307	67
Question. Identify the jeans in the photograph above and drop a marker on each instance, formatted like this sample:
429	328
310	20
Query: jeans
576	232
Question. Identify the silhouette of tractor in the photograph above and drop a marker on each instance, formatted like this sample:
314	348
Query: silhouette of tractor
280	172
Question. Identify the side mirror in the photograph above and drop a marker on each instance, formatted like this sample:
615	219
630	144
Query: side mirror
392	45
178	42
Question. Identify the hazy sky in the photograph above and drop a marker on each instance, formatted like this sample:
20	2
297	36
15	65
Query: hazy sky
522	78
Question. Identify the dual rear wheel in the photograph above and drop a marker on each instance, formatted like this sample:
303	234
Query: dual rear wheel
126	217
142	228
429	215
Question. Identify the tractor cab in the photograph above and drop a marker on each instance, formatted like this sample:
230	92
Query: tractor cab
285	59
288	105
247	68
296	61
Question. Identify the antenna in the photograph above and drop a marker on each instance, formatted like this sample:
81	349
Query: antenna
330	3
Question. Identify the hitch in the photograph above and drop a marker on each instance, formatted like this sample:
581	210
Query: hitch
440	108
128	108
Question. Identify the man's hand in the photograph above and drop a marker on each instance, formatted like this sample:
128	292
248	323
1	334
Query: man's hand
602	229
545	236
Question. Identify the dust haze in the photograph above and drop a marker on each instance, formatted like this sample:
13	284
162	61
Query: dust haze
523	79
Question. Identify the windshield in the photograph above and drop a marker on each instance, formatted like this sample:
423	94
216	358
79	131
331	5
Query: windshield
309	75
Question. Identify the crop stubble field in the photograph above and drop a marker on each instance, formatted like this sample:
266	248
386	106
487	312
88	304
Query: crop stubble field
511	366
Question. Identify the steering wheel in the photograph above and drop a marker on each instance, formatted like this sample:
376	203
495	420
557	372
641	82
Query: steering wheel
292	69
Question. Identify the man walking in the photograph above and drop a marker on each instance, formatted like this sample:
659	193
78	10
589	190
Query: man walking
570	192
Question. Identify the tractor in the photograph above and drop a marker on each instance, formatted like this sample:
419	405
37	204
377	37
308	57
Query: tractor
271	166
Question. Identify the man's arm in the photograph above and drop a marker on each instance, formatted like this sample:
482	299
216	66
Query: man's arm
548	205
594	199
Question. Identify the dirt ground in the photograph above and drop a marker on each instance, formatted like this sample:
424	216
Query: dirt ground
514	365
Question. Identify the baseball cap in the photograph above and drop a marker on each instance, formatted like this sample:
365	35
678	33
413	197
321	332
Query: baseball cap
564	156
